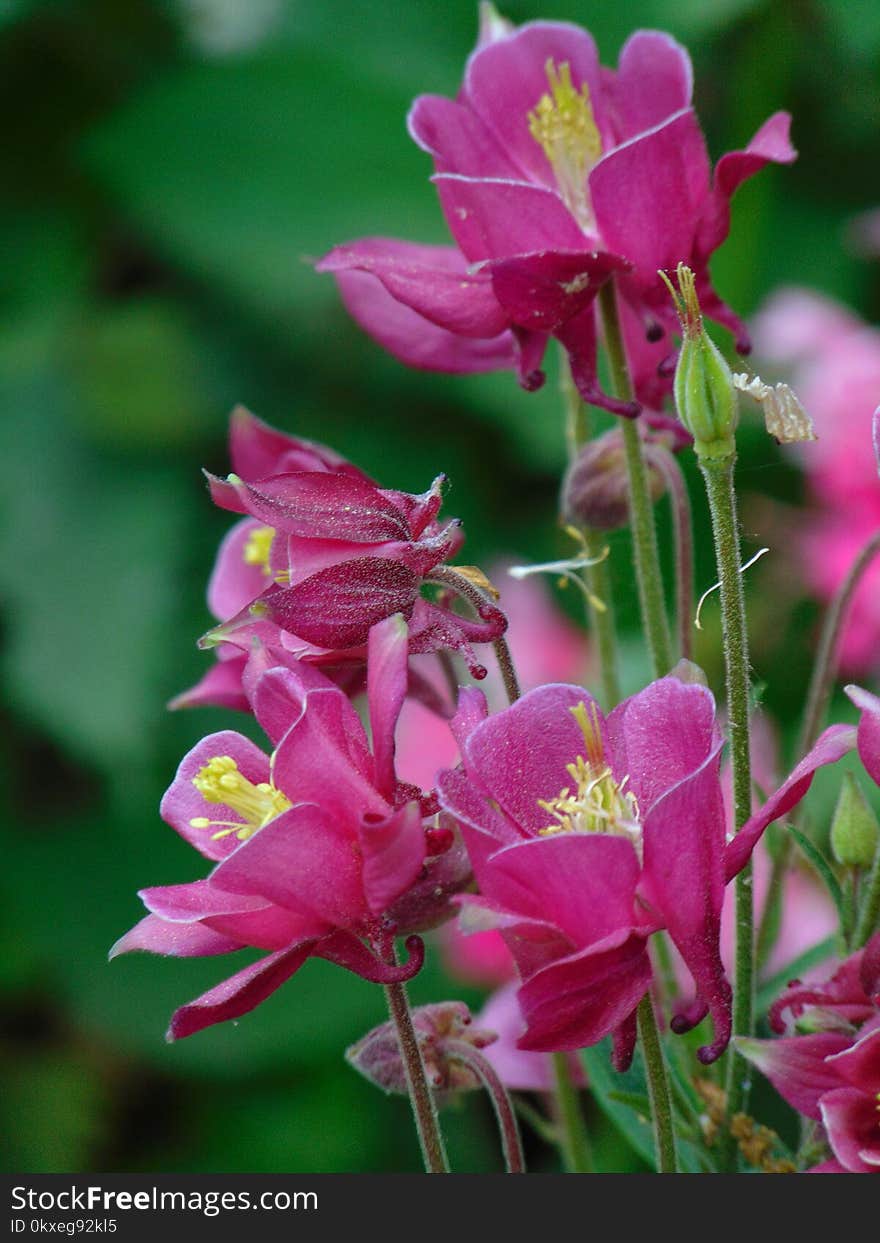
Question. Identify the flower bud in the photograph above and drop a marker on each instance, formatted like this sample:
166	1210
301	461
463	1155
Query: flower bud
595	490
854	828
705	395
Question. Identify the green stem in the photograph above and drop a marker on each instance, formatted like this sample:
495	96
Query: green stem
511	1144
683	538
719	477
869	913
424	1109
658	1088
644	535
574	1141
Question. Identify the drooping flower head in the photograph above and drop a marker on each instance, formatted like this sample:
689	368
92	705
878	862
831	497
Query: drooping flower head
319	849
554	174
321	555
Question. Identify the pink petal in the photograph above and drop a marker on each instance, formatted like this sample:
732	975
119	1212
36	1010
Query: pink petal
578	336
869	729
484	827
156	936
414	340
246	919
797	1067
183	803
834	743
433	281
457	139
505	80
387	679
239	994
278	694
394	852
220	687
234	583
257	450
649	192
519	1070
850	1118
493	219
579	1000
654	79
303	862
351	953
859	1064
542	291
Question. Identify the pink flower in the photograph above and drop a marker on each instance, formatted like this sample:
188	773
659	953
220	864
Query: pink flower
587	834
831	1073
322	555
319	849
553	174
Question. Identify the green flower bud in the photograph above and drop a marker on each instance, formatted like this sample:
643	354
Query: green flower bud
854	828
705	394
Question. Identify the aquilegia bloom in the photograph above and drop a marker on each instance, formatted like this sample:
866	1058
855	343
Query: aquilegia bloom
319	850
554	174
589	833
828	1067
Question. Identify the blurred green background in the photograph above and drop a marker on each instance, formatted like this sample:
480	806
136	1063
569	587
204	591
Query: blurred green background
169	168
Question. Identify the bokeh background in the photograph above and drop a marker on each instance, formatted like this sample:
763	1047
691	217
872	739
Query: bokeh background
169	168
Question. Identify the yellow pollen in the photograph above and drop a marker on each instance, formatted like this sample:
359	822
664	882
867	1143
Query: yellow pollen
595	802
258	547
563	125
221	782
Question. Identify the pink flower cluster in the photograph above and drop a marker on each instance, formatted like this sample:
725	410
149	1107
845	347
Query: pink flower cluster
834	359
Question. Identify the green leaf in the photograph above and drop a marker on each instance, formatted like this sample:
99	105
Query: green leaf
815	856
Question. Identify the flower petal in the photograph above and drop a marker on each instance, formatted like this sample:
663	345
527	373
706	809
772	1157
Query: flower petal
491	218
654	79
869	729
850	1118
458	140
797	1066
387	679
542	291
257	450
157	936
394	852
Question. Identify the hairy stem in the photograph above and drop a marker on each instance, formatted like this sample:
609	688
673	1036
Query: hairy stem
683	537
644	535
658	1088
573	1139
511	1144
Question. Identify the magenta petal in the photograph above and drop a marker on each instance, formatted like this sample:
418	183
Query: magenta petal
220	687
471	711
434	281
349	952
505	80
183	803
457	139
579	1000
156	936
544	290
578	336
317	504
654	79
414	340
859	1064
584	883
302	861
648	193
336	607
493	219
485	828
278	694
682	880
189	903
247	920
394	852
257	450
797	1068
529	348
869	729
234	583
660	736
535	739
239	994
834	743
387	679
770	143
850	1118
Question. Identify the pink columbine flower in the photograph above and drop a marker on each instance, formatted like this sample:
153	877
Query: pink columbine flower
322	554
319	849
587	834
553	174
830	1072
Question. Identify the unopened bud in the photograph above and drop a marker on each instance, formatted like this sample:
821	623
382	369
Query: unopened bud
595	491
854	828
705	396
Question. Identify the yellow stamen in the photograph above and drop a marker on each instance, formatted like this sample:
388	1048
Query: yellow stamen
687	304
595	802
221	782
258	548
563	125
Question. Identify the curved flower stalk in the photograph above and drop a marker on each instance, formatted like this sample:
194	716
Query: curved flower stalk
828	1065
588	834
319	850
553	174
322	554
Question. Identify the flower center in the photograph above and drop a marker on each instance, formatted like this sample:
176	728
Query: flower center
595	802
258	547
563	125
221	782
